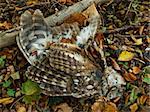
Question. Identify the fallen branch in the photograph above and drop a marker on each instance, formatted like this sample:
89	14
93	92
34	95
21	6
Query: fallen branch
8	38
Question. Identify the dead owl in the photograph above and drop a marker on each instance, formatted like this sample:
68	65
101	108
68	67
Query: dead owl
64	60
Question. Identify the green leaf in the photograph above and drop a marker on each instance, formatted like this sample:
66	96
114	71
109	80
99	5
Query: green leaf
146	80
6	83
11	92
30	88
2	61
29	98
15	75
147	70
133	95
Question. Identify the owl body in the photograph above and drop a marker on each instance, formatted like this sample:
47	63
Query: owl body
59	64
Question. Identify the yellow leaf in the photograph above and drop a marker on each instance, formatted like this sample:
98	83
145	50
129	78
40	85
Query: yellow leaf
30	2
134	107
138	41
6	100
126	56
21	109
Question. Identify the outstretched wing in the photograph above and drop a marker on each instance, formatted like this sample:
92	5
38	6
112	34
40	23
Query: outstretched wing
34	35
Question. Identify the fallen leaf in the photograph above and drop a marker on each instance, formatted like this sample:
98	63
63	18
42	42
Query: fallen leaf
146	80
29	88
6	100
126	56
136	70
65	1
11	69
129	77
6	83
11	92
21	109
115	64
15	75
30	2
141	100
137	41
89	12
141	30
6	25
134	107
62	108
127	99
148	39
76	17
2	61
133	95
102	105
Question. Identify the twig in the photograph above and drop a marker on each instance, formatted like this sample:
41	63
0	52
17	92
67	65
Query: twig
7	39
16	102
121	29
128	36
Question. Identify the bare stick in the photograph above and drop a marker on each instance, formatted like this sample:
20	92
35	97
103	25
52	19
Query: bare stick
8	38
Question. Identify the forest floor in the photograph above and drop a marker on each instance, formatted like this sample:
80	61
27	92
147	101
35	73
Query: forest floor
125	25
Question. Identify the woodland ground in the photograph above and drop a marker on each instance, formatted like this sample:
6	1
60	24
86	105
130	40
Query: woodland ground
125	25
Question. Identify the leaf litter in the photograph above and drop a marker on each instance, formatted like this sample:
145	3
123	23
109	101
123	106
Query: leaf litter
126	47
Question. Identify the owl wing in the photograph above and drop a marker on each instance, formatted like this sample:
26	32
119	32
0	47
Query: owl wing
34	35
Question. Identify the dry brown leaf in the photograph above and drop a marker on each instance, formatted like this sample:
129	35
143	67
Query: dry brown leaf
81	17
148	101
115	64
141	100
113	47
116	99
18	8
102	105
141	30
110	107
134	107
77	17
127	99
5	101
136	70
89	12
148	39
129	77
65	1
5	25
126	56
21	109
31	2
62	108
